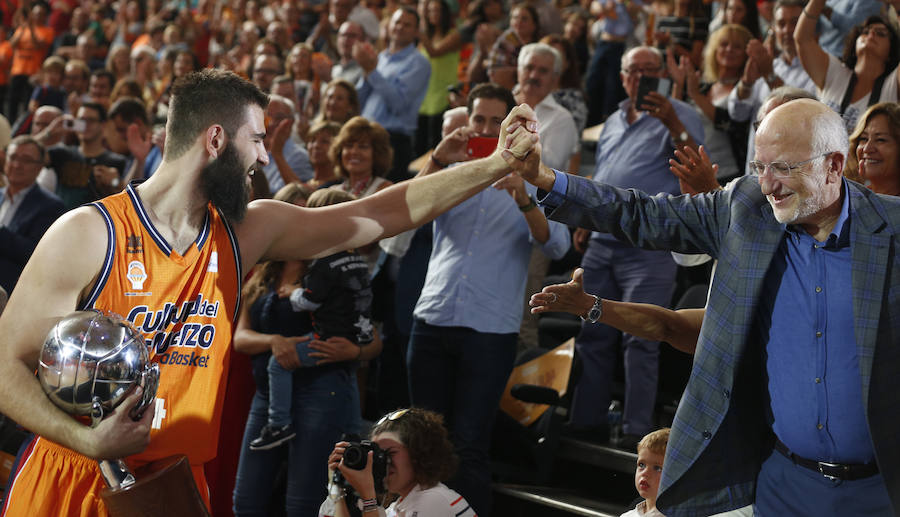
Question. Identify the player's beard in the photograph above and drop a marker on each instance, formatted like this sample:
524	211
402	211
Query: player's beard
224	181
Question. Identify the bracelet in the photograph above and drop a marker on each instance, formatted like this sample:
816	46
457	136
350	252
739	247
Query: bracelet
807	13
369	505
438	162
529	206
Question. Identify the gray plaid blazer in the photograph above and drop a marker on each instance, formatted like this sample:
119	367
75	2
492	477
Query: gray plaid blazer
720	435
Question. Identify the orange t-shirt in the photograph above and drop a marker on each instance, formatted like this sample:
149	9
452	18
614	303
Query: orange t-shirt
28	56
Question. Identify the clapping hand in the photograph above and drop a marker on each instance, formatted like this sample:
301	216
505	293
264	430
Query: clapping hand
695	171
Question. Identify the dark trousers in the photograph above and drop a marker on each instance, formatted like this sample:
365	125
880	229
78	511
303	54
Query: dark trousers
461	373
632	275
18	95
603	87
403	154
783	488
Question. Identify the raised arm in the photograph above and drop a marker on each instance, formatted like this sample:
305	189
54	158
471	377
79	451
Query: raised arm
278	231
812	57
64	267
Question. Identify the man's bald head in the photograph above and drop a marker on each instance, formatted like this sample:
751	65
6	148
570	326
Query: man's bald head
808	124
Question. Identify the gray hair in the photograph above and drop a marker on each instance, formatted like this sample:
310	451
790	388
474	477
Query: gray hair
540	49
283	100
626	57
829	133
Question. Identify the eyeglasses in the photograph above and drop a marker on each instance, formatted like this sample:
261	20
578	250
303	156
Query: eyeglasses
390	417
637	70
24	160
780	169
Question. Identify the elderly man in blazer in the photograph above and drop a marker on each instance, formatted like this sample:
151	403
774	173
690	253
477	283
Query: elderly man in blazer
792	402
26	210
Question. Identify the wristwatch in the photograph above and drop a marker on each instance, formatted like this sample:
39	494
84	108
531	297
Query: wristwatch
596	311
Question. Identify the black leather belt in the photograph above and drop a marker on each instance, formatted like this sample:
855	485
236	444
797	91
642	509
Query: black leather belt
842	471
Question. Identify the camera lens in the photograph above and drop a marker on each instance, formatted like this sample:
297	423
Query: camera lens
355	457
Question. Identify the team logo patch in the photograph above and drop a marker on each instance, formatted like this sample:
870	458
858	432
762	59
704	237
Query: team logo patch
133	244
137	274
213	263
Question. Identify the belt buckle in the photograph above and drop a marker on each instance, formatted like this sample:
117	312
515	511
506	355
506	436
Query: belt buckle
835	468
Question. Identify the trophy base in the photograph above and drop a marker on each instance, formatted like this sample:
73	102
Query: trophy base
163	487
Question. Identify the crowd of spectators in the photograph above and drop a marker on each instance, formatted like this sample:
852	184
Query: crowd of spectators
359	90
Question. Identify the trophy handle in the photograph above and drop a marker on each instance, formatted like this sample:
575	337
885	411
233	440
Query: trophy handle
116	474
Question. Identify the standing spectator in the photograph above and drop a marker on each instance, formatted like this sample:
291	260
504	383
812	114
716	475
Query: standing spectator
643	137
30	43
524	28
50	91
616	25
394	85
724	60
568	92
346	67
467	319
324	36
539	68
866	73
440	43
26	210
763	73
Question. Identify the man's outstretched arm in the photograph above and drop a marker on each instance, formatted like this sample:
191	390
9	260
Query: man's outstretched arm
274	230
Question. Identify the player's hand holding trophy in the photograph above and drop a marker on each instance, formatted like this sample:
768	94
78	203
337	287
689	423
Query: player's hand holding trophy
89	364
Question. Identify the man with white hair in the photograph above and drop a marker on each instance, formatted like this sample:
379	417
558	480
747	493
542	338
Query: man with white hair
791	403
633	150
539	66
288	162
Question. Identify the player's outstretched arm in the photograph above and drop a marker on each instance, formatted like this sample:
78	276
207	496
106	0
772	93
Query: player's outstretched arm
276	231
62	269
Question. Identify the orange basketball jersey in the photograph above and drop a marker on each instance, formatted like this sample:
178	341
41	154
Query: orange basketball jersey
186	306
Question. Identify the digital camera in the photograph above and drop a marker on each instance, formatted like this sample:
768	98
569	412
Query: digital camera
356	455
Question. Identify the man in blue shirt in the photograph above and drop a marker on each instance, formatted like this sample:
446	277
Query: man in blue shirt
791	403
393	86
463	340
632	152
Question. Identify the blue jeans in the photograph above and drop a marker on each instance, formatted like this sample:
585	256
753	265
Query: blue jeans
323	408
603	86
632	275
280	385
461	373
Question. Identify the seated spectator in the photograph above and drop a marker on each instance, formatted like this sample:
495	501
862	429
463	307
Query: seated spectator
339	104
724	60
130	135
568	93
319	140
50	91
288	162
865	75
100	87
421	458
26	210
88	171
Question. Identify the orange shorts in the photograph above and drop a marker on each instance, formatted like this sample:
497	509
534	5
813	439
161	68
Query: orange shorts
52	480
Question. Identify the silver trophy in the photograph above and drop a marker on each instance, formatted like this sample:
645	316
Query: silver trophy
89	364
